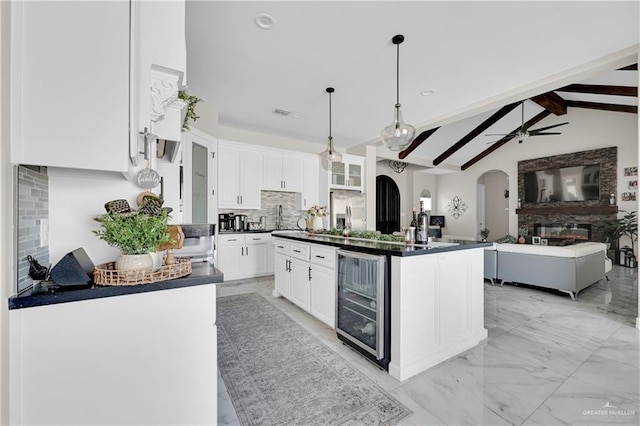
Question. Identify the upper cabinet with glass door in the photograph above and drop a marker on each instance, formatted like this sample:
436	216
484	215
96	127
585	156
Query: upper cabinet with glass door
349	174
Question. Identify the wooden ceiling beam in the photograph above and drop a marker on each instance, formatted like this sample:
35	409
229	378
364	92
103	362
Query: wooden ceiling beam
600	89
633	109
416	143
475	132
552	102
505	139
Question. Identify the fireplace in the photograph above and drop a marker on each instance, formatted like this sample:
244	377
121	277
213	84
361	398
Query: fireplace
562	234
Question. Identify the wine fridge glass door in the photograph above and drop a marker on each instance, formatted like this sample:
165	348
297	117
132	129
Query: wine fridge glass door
360	304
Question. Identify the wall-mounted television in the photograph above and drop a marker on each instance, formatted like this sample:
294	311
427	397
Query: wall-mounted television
579	183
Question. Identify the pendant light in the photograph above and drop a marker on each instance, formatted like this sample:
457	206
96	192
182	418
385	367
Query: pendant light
398	135
330	155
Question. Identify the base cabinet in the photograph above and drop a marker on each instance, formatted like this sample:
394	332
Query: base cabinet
300	272
137	359
322	287
305	274
243	255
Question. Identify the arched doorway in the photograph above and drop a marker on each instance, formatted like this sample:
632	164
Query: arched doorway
493	203
387	205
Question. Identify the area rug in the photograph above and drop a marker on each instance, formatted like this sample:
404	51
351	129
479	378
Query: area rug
277	373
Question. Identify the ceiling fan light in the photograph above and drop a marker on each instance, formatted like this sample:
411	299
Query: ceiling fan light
398	135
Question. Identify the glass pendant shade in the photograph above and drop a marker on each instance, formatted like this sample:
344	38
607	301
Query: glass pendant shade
398	135
329	155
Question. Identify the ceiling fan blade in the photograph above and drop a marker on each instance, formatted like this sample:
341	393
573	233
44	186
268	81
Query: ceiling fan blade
544	134
541	129
497	134
505	139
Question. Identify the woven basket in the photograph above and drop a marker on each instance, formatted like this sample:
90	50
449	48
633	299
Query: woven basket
106	274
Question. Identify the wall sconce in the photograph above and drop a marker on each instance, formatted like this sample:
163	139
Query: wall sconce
506	193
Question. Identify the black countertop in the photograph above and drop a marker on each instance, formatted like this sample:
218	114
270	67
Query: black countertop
47	294
382	247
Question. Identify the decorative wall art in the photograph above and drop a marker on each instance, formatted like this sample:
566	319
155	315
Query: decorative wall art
628	196
456	207
631	171
633	185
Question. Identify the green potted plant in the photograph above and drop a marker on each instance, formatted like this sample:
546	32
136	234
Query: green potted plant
523	232
191	101
627	226
136	235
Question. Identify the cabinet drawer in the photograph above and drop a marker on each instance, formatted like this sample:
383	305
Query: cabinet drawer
299	251
281	246
230	239
257	238
323	256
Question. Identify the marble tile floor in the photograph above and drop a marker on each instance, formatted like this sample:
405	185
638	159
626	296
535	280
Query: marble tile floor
547	360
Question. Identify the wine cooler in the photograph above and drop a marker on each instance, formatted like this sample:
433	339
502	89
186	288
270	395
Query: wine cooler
362	309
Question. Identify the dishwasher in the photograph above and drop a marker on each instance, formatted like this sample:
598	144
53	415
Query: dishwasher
363	305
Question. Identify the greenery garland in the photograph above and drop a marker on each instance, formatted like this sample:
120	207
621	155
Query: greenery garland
191	108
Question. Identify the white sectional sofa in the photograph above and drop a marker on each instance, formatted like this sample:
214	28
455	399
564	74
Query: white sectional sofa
569	268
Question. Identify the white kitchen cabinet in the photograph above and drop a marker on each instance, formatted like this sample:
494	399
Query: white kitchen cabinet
305	274
322	284
282	277
85	81
136	359
348	174
70	84
239	177
282	172
310	183
300	272
243	255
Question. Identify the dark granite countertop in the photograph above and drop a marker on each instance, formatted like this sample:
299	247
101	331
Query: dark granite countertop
382	247
46	293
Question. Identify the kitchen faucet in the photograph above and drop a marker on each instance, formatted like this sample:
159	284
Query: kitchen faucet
279	217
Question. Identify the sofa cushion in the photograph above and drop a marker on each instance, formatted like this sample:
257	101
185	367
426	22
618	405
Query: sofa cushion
572	251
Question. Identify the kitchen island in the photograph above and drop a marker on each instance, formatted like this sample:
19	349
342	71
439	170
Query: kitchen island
141	354
435	293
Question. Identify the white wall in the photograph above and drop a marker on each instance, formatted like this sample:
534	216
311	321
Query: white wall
7	267
587	129
496	205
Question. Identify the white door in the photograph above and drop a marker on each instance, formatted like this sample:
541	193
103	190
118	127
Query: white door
300	283
199	197
323	295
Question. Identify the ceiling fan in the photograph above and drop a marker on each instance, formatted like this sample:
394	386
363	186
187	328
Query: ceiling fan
523	131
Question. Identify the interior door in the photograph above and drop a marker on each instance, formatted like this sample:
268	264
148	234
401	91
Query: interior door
199	192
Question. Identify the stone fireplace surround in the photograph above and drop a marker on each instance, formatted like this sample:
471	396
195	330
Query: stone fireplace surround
597	213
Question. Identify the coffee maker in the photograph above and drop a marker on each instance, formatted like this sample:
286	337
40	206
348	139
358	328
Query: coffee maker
225	222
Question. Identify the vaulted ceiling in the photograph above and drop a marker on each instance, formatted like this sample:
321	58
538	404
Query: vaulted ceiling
479	59
613	91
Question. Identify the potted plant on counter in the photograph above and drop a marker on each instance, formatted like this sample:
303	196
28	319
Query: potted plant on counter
136	234
523	233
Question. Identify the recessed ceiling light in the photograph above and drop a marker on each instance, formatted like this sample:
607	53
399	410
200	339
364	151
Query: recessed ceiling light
427	92
264	21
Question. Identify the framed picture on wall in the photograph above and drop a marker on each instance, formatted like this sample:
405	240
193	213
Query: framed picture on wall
631	171
633	184
628	196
